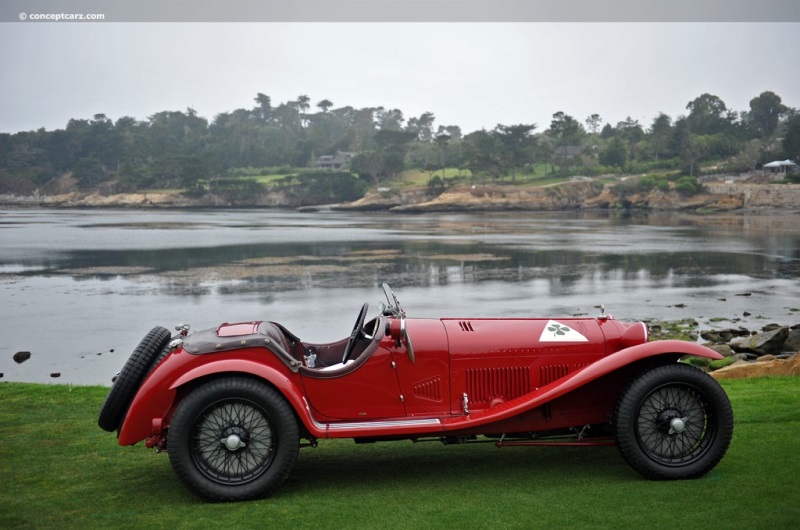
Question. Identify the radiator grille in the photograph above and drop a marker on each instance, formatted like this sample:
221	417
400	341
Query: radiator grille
485	384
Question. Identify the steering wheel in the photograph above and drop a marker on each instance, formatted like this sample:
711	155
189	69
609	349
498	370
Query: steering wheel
357	330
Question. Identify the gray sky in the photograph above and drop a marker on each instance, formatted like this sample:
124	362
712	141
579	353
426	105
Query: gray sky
474	75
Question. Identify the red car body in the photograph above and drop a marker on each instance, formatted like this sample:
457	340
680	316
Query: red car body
521	380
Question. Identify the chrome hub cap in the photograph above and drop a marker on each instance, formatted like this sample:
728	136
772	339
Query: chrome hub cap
677	425
232	443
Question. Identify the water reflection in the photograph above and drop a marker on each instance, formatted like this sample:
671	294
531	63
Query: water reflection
298	251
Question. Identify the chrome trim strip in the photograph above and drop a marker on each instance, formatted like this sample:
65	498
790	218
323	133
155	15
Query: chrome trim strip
369	424
384	424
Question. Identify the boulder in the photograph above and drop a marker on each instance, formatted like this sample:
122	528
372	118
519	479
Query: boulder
722	349
21	356
768	343
723	335
792	343
741	369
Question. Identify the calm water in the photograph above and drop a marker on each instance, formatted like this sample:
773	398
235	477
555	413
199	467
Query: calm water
79	288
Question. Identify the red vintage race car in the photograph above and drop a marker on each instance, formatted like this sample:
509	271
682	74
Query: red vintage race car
232	404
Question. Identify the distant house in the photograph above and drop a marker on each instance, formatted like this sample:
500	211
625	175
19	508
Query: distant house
338	161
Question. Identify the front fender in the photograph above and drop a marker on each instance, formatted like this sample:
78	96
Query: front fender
671	350
676	348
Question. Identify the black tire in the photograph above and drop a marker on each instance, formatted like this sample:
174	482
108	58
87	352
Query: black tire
150	350
673	422
233	439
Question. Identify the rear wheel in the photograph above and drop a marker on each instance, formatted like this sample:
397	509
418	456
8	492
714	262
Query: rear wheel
233	439
147	354
673	422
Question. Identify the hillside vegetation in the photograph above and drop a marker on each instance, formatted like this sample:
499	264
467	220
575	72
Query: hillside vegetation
333	154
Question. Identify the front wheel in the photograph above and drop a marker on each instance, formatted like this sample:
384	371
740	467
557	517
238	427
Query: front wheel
673	422
233	439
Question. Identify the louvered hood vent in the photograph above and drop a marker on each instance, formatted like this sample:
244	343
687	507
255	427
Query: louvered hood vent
430	389
548	374
486	384
465	325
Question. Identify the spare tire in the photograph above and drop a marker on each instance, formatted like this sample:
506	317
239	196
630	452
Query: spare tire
148	353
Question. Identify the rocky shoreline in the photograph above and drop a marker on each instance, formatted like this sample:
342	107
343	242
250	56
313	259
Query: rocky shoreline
574	195
581	195
771	350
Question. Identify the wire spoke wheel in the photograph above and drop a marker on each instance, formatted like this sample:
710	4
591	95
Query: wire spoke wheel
233	439
673	422
233	442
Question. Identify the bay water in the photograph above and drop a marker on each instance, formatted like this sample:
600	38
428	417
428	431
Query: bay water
80	288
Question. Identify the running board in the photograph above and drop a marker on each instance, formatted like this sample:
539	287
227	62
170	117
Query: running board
598	442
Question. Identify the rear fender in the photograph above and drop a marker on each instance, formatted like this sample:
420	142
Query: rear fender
157	397
668	350
275	378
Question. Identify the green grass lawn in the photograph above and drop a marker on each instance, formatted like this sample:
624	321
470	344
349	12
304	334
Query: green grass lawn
59	470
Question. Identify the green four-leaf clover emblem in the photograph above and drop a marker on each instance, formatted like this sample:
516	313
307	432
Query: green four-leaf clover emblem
558	329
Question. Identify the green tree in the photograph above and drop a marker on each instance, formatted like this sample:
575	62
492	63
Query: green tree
387	159
363	129
442	141
707	115
391	120
593	123
264	108
615	153
303	104
791	138
422	126
659	135
765	112
518	145
482	154
566	132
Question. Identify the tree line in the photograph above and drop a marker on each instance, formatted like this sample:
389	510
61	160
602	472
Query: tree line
174	149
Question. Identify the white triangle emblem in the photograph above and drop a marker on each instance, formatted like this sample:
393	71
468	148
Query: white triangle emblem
558	332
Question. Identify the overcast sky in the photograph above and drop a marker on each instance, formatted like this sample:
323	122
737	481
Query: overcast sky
474	75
